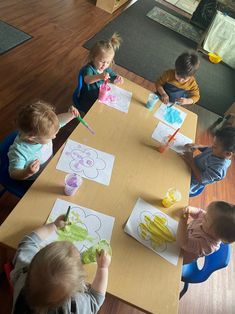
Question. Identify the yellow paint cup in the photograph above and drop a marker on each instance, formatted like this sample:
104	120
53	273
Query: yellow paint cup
172	196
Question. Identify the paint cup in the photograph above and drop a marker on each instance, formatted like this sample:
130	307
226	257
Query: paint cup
152	99
172	196
103	90
72	183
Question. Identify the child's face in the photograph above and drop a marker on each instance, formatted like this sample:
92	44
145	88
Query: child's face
181	79
46	139
103	60
218	149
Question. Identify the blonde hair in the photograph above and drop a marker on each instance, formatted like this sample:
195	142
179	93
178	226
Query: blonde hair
105	46
54	276
223	224
37	119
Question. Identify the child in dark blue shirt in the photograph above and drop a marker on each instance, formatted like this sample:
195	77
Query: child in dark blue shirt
212	164
98	70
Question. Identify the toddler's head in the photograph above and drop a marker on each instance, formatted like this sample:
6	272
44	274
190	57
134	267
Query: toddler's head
38	122
54	276
219	221
186	66
102	53
224	142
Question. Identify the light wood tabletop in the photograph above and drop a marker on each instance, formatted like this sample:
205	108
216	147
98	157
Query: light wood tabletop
137	275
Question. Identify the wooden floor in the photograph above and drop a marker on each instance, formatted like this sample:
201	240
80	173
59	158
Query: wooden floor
45	67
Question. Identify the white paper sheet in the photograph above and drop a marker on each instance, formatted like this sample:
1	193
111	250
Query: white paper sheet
162	133
172	116
87	226
118	98
167	250
86	161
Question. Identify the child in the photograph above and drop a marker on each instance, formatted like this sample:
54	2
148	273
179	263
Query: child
52	279
179	85
98	70
201	232
212	164
38	125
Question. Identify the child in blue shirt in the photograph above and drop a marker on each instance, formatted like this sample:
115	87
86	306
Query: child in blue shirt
212	164
32	149
98	70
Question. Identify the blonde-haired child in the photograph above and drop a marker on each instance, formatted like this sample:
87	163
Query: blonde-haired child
52	279
38	125
201	232
97	70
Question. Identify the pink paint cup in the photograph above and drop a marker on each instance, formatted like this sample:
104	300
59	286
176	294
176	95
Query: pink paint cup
72	183
104	88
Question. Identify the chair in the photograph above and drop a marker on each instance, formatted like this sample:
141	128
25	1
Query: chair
217	260
8	267
78	89
18	188
199	191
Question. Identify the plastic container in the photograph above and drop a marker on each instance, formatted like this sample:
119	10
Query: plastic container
104	88
214	58
152	99
172	196
72	183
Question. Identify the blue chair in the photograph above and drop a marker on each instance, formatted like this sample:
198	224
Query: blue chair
18	188
217	260
78	89
199	191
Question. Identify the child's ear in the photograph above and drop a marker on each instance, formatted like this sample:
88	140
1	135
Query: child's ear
31	138
228	154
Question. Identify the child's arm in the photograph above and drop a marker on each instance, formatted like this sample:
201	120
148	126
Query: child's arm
182	235
194	95
44	231
66	117
23	174
188	158
185	101
100	281
191	147
163	95
90	79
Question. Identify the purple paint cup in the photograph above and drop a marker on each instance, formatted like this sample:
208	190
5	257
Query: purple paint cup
72	183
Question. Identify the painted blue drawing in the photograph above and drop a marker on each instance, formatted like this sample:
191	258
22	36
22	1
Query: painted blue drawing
172	115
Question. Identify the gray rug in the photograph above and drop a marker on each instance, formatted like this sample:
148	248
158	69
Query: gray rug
11	37
150	48
176	24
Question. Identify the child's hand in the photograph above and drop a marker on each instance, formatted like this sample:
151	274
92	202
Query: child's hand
74	111
104	76
191	211
60	222
191	147
165	98
187	157
103	259
184	101
118	80
33	167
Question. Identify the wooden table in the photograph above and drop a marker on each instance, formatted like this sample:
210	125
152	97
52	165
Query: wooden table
137	275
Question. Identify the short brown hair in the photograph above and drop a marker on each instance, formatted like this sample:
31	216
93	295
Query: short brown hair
54	276
187	64
224	221
37	119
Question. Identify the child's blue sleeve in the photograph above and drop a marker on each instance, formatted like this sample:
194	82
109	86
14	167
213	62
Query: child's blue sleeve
215	171
16	158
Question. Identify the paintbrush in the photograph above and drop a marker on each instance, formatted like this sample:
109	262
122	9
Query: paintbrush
86	125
